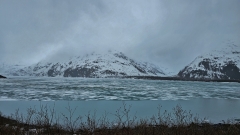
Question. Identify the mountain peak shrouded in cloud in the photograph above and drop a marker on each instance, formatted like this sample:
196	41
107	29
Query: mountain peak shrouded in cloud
163	32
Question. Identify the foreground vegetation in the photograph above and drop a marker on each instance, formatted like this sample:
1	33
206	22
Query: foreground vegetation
46	121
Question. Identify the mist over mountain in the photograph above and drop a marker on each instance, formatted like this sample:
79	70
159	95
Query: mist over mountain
220	63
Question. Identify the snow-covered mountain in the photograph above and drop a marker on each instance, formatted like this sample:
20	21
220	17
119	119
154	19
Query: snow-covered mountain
219	64
93	65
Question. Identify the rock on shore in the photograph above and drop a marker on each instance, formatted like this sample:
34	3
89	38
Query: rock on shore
2	76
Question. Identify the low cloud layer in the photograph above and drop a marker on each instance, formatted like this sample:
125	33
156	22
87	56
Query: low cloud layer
168	33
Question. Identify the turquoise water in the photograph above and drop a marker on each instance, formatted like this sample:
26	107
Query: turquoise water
214	110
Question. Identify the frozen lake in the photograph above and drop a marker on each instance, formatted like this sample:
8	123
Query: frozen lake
85	89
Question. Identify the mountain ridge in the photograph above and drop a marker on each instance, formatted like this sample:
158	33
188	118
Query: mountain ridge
93	65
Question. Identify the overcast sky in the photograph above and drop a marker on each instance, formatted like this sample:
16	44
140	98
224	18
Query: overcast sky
168	33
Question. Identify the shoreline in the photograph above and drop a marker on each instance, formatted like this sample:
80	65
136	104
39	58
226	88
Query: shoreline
151	78
179	79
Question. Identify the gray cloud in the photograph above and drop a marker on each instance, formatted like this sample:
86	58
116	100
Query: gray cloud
168	33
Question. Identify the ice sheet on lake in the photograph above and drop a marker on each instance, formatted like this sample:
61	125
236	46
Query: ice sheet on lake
83	89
